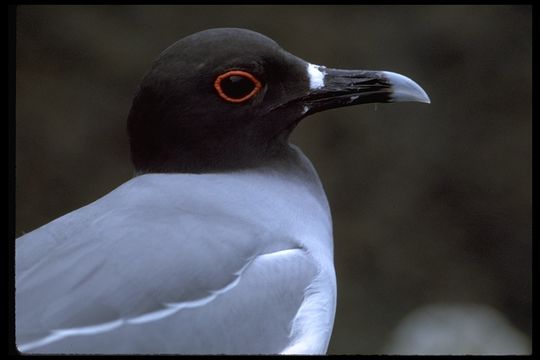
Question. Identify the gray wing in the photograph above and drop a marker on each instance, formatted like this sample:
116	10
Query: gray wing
146	280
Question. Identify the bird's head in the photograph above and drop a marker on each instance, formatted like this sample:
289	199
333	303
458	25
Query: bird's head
228	98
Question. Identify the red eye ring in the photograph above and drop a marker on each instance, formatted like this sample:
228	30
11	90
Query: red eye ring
217	85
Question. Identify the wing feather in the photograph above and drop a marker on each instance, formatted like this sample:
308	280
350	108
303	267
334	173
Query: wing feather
137	273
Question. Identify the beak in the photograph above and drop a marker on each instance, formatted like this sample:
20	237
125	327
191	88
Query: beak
332	88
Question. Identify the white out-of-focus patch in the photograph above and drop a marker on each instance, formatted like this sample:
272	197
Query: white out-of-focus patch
316	76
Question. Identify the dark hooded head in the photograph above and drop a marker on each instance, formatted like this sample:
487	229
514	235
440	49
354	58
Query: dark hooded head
225	99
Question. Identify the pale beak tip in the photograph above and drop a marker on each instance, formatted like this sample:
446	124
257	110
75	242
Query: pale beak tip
405	89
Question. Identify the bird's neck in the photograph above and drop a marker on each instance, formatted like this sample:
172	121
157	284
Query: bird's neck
212	157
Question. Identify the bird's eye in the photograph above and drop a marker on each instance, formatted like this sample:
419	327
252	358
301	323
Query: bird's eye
237	86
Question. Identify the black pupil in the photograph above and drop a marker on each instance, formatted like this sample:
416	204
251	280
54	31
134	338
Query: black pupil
237	87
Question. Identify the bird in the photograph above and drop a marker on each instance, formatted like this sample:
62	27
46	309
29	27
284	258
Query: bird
221	242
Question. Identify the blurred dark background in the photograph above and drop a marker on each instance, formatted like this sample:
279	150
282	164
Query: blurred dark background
431	203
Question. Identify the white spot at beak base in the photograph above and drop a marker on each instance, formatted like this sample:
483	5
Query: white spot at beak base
316	76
